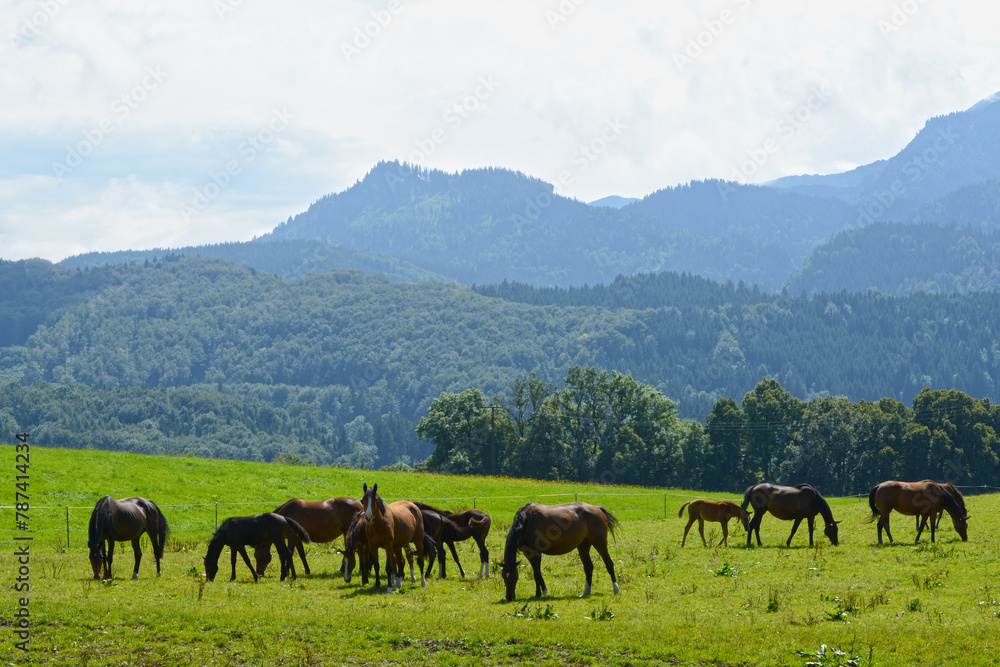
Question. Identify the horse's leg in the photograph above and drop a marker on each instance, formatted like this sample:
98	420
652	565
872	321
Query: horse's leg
536	567
232	558
390	568
302	555
795	526
758	516
920	528
811	521
931	518
725	533
884	523
701	531
691	521
454	554
110	560
484	557
588	566
609	564
137	552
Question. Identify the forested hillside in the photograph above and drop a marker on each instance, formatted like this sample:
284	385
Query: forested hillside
900	259
363	354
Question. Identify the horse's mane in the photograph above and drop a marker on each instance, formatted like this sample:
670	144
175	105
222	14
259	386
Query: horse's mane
99	520
517	528
822	505
951	503
430	508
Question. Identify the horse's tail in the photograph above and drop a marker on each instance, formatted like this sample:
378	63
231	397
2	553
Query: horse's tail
612	523
483	523
98	520
515	534
162	531
297	529
680	514
746	496
871	503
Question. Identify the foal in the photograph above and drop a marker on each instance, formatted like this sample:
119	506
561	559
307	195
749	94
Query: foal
720	511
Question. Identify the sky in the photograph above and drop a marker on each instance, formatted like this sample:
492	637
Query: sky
134	125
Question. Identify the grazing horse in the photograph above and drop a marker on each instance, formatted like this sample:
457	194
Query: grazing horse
392	526
461	526
123	521
791	503
241	531
956	494
720	511
556	530
923	499
324	520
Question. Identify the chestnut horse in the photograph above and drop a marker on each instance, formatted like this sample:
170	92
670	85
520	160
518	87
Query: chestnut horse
461	526
956	494
241	531
391	527
791	503
356	551
123	521
324	520
720	511
923	499
555	530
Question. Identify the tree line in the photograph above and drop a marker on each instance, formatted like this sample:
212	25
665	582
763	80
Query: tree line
606	427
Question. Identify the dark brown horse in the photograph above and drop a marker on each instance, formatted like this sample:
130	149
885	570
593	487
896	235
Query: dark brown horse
555	530
956	494
719	511
461	526
923	499
791	503
239	532
324	520
124	521
391	526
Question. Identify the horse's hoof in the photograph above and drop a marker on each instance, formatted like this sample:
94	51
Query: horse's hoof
615	586
158	574
135	576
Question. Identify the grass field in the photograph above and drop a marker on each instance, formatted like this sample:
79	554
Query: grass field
906	604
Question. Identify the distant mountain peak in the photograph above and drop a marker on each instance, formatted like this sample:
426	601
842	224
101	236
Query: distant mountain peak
613	201
981	104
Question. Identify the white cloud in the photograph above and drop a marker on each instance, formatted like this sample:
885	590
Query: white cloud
564	67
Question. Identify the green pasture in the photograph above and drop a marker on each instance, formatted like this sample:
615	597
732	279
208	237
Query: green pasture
905	604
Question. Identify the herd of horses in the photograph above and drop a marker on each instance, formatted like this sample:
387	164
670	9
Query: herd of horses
403	529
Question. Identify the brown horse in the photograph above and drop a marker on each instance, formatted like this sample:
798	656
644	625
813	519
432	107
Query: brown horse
556	530
956	494
324	520
356	551
461	526
720	511
923	499
790	503
123	521
391	527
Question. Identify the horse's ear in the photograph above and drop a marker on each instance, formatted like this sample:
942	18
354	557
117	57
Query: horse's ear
364	486
375	488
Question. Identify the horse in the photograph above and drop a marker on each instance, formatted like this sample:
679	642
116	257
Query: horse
555	530
123	521
956	494
240	531
433	528
720	511
791	503
391	527
356	551
923	499
324	520
461	526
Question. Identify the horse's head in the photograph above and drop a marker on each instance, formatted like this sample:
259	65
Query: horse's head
831	532
745	519
96	558
262	556
508	570
961	526
370	501
211	568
